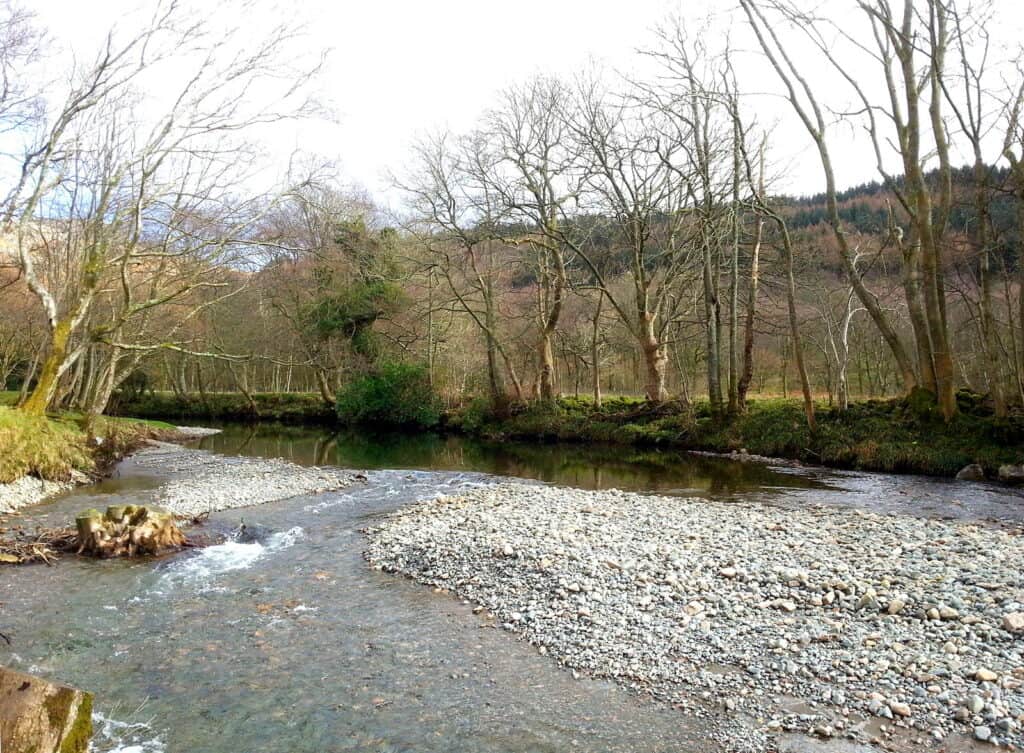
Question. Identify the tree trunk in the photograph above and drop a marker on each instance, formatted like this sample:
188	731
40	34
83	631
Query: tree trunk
842	381
734	279
913	286
494	378
53	367
37	716
655	359
242	384
988	320
748	331
794	328
127	531
712	322
324	385
595	352
546	371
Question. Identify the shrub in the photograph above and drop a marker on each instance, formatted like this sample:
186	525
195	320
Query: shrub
396	394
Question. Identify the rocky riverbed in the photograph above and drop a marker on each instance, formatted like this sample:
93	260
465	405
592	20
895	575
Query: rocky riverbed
842	624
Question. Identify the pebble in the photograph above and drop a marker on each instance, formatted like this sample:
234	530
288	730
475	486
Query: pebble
1013	622
851	612
205	482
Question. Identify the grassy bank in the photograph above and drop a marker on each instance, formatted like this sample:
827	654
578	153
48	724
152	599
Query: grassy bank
53	447
882	435
287	407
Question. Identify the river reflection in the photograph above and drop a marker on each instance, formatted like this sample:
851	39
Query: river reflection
594	466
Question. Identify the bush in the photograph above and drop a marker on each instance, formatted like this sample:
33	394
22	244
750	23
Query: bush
396	394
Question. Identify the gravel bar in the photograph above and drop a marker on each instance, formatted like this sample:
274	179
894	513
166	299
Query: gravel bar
202	481
843	624
29	490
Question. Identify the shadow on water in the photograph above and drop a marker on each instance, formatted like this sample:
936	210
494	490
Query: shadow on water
586	466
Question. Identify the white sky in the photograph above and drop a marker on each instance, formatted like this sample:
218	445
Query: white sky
402	67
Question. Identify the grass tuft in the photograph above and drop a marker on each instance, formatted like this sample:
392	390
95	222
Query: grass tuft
38	446
54	446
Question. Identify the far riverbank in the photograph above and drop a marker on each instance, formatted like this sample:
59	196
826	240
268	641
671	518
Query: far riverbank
892	435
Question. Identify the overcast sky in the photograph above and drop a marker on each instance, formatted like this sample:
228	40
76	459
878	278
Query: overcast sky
402	67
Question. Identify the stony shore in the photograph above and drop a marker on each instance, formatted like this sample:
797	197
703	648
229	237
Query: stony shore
200	481
891	630
29	490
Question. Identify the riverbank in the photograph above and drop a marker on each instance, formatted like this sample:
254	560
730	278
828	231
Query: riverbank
895	435
46	455
842	624
282	407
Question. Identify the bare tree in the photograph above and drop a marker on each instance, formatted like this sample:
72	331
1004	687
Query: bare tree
805	103
638	176
531	172
975	110
111	204
455	216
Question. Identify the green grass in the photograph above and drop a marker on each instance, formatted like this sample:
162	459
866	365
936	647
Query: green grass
54	446
8	397
885	435
41	447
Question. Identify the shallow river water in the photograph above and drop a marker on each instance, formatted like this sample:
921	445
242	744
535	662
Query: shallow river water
291	643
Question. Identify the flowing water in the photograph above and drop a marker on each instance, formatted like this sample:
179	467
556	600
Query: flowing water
291	643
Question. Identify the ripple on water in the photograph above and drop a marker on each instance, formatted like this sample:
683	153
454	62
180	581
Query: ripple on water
114	736
202	570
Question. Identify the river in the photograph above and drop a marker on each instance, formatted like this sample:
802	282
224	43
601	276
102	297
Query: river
291	643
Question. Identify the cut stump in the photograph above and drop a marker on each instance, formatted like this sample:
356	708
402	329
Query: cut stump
127	531
37	716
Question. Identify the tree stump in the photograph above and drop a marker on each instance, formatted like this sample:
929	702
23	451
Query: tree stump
127	531
37	716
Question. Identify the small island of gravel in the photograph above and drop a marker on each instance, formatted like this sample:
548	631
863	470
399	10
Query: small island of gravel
198	481
855	625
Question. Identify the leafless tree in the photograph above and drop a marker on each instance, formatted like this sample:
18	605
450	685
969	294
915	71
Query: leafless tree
640	176
138	211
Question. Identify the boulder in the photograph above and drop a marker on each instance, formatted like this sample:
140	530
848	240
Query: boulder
1013	622
127	531
1012	474
37	716
972	472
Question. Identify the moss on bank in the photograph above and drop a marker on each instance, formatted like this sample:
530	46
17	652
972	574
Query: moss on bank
882	435
53	447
